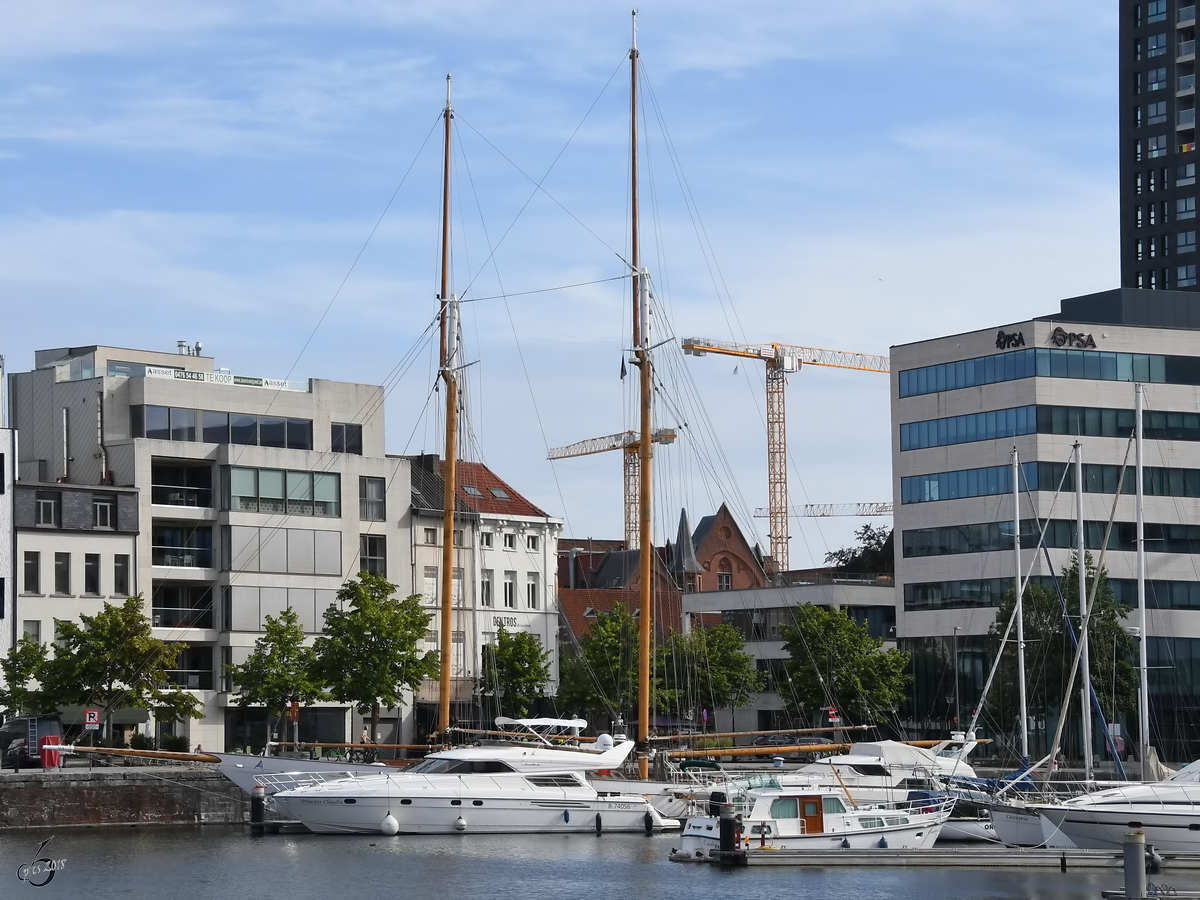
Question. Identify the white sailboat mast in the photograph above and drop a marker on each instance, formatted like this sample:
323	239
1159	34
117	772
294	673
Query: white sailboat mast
1022	700
1085	689
1143	637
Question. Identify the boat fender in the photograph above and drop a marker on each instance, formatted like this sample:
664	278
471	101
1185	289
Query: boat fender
845	843
598	824
566	815
389	825
649	822
883	843
460	824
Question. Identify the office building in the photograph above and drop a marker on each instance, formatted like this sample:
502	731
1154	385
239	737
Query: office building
961	403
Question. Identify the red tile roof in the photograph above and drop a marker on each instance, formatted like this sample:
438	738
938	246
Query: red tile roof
495	495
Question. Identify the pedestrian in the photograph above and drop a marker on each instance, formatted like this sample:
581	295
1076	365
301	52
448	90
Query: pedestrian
199	748
366	737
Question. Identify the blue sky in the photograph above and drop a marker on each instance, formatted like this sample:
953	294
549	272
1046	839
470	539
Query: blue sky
861	174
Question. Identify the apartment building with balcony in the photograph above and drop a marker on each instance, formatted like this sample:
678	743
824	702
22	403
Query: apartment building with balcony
1157	102
241	494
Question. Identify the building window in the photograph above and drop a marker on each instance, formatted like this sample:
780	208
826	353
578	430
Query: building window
186	546
510	590
165	423
1138	249
182	606
181	485
284	492
345	438
1153	280
1137	117
471	491
32	628
531	590
531	541
485	539
104	512
458	537
724	576
1137	83
1137	217
372	553
430	593
1137	182
485	587
1185	242
62	573
1153	247
1185	208
1156	45
1185	276
1156	113
456	584
33	572
1156	79
121	575
49	509
1185	175
510	542
431	535
371	499
1156	11
91	574
1141	279
1152	181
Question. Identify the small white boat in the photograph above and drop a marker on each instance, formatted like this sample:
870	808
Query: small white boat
821	821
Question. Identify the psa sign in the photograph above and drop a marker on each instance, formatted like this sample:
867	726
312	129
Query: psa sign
1006	340
1060	337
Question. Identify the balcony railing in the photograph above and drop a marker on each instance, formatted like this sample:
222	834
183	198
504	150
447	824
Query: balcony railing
192	679
1187	117
1186	48
1186	83
184	557
173	495
175	617
1186	13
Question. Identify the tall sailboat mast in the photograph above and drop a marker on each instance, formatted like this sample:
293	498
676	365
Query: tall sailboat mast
1085	687
1022	701
449	329
1143	637
641	343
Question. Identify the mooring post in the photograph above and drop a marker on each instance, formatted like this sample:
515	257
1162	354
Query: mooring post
258	809
728	833
1135	864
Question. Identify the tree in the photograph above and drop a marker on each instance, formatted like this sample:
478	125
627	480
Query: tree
21	666
834	661
111	659
367	652
602	678
279	671
875	552
515	670
1050	651
706	668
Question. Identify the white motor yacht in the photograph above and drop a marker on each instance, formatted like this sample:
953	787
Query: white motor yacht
821	820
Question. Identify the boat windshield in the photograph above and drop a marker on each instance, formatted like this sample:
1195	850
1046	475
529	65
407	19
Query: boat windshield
441	766
757	783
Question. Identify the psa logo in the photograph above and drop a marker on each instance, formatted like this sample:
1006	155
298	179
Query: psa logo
40	872
1006	340
1061	338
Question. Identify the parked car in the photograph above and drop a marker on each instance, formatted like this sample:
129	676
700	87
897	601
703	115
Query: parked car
20	740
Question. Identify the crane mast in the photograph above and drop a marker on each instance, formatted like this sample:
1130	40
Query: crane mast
782	360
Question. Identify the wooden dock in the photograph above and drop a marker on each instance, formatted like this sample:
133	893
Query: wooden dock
949	857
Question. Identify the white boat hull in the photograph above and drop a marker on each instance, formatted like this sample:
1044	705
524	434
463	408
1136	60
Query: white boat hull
1023	826
974	830
701	836
1173	831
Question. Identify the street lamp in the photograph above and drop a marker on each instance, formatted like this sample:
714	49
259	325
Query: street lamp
957	720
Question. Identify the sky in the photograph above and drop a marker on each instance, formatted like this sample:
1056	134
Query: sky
265	179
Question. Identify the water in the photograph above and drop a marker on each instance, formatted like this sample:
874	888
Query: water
223	862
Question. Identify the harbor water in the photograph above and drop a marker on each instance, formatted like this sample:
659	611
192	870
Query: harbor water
224	861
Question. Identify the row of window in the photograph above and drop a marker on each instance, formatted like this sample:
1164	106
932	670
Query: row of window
1160	279
1158	425
988	592
93	582
1158	146
1159	213
48	510
1047	476
1156	11
284	492
1096	365
487	596
486	539
1153	179
1160	245
169	423
988	537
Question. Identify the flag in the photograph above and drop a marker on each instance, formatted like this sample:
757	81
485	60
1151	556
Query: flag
623	372
735	368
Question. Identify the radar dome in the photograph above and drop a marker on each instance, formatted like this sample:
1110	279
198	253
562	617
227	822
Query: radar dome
604	742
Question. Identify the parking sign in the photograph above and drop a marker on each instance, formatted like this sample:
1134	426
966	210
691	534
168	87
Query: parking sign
91	720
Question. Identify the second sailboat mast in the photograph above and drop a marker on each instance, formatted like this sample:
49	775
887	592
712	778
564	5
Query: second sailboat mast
449	328
641	343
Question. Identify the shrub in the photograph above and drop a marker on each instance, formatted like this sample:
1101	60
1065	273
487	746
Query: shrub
176	743
141	741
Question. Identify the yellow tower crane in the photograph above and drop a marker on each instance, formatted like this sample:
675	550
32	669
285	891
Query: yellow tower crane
782	360
630	442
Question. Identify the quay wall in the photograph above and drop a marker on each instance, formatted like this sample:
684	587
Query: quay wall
142	795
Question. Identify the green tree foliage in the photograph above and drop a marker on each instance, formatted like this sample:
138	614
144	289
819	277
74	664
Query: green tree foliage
706	669
874	553
601	680
279	671
367	652
113	660
1049	651
834	661
515	671
22	667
